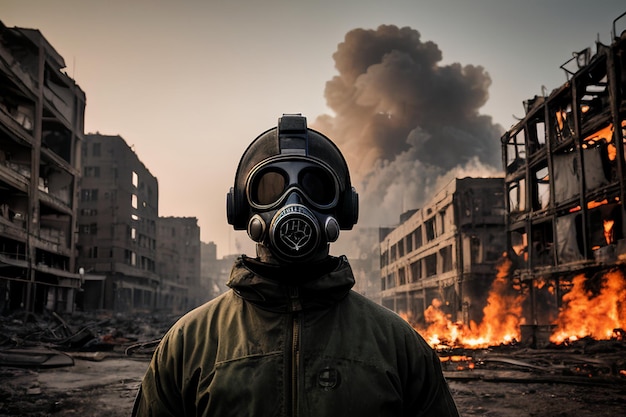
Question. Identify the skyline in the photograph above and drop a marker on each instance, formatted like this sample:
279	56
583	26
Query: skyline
210	76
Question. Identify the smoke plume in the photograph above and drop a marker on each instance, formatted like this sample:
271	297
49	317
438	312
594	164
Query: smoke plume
405	123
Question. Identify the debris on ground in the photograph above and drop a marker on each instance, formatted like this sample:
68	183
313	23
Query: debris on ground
48	340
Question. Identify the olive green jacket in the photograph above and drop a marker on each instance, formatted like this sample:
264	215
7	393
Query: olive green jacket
268	348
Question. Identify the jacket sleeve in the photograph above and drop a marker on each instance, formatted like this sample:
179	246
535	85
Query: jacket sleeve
159	394
427	389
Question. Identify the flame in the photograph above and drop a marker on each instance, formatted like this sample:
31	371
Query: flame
594	204
500	324
585	313
588	314
605	133
608	230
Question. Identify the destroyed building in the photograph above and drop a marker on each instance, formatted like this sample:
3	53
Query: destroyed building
214	272
446	251
565	178
41	131
179	264
117	229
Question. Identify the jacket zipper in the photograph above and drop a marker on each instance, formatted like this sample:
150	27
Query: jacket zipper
295	348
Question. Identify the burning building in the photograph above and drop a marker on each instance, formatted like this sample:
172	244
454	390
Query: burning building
41	130
565	180
443	256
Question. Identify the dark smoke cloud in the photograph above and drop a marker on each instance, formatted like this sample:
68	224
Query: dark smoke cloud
406	123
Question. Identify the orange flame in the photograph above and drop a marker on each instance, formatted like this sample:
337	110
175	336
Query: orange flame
608	230
500	324
595	315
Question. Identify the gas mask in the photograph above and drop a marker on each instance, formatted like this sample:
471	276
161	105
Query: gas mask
293	198
292	192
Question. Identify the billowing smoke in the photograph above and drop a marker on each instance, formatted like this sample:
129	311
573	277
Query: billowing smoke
405	123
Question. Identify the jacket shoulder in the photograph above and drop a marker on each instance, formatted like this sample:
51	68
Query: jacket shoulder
379	314
201	317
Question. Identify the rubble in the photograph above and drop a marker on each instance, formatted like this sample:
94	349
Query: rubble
44	340
584	362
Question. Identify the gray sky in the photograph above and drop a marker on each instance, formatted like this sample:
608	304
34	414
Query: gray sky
190	83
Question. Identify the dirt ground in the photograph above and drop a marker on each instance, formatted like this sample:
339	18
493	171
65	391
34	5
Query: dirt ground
104	389
107	389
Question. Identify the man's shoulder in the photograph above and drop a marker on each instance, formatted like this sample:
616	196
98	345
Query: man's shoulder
374	309
205	313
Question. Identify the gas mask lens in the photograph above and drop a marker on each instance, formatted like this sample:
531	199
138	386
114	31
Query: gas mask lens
318	185
269	184
267	187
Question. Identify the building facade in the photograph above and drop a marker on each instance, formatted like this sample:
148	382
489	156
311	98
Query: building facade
565	175
41	131
179	264
117	227
446	251
215	272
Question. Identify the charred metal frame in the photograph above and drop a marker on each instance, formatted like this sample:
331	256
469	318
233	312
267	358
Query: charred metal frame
565	180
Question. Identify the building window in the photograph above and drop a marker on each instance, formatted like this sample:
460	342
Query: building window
88	229
541	192
418	237
89	195
390	281
130	257
416	270
430	229
446	259
134	201
517	196
135	179
95	150
401	276
516	150
92	172
442	216
401	248
431	265
475	253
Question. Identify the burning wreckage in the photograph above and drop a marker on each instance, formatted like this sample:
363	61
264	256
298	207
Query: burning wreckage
554	229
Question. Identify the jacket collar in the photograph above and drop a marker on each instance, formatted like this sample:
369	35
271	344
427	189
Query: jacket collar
286	289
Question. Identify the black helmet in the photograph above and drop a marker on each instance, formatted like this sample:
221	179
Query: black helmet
292	164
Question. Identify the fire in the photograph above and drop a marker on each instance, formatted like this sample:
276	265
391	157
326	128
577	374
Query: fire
608	230
500	324
586	313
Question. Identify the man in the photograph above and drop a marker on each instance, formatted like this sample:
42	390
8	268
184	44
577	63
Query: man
291	338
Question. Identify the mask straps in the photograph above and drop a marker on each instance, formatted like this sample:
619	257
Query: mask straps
293	135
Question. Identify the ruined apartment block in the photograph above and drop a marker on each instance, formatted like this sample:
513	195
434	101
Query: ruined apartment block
41	130
117	226
566	181
446	252
179	264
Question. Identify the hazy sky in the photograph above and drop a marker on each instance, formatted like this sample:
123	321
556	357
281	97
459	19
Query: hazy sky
189	84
